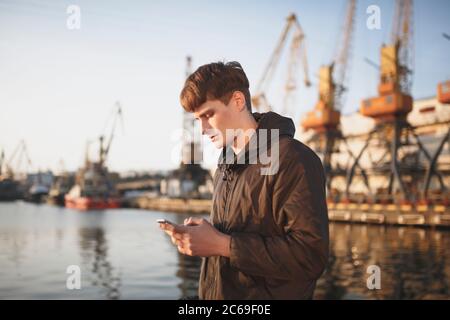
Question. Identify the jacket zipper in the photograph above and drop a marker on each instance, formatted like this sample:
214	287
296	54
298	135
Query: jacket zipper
230	184
229	188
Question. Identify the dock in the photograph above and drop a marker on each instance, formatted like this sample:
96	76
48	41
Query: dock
390	214
380	214
194	206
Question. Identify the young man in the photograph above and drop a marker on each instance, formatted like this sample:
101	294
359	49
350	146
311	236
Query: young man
267	237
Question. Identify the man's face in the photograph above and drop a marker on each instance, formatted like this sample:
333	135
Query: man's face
216	118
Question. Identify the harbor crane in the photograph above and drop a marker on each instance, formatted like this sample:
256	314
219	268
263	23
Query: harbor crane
324	119
399	146
297	57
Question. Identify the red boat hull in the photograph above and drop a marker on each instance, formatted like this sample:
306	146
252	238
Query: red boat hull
87	203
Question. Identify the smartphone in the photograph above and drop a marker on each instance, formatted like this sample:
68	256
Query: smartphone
164	221
175	226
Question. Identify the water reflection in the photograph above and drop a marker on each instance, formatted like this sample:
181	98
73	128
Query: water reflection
188	270
94	255
414	263
123	255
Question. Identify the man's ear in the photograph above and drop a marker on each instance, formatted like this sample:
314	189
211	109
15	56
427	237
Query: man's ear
239	101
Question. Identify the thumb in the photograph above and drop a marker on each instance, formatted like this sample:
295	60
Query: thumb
192	221
174	228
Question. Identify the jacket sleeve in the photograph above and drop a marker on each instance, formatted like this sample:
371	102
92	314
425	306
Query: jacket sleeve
300	212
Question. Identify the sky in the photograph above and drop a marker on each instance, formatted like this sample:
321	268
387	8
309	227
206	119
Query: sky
58	86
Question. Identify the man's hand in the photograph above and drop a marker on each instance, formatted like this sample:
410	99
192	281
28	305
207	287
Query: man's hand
198	238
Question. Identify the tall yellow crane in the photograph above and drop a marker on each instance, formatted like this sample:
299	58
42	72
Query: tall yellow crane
297	57
324	119
332	77
394	100
390	107
400	147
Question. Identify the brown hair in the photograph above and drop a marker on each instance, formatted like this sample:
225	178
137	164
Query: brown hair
213	81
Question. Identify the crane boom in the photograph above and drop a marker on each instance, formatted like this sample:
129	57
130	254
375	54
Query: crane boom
105	151
402	34
297	52
111	136
341	62
332	80
20	152
275	57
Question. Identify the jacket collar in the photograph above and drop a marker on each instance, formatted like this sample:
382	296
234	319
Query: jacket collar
269	120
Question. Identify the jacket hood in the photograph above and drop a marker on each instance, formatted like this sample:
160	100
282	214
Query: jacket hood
266	121
272	120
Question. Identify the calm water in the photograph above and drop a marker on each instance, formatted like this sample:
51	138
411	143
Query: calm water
123	255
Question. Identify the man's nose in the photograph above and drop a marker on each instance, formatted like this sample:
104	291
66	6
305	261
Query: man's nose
205	126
